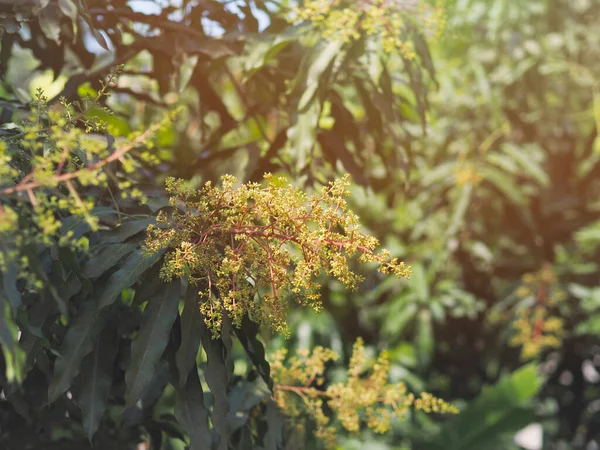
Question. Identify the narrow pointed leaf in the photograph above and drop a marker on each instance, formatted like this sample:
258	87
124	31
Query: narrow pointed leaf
9	281
151	341
273	439
499	410
68	8
108	257
14	357
255	350
127	230
242	398
192	414
191	335
78	342
96	376
217	377
134	267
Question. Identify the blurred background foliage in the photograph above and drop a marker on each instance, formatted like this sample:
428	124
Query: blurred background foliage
476	160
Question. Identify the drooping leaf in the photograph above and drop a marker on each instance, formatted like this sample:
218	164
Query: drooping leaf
78	342
151	341
273	439
499	410
526	157
191	335
14	357
320	59
108	257
192	414
135	265
504	184
248	337
49	22
425	340
302	133
96	377
126	230
243	397
68	8
217	377
40	317
8	281
78	225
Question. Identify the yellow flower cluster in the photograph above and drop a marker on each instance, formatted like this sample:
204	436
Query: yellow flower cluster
247	247
467	174
536	328
364	397
389	19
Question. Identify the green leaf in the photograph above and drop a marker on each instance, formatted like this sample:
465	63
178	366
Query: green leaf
321	59
192	414
68	8
127	275
151	341
424	340
108	257
78	225
460	210
96	378
589	326
78	342
589	234
242	398
191	335
302	133
261	52
525	156
126	230
14	357
504	184
273	439
217	377
255	350
499	410
397	317
419	283
48	19
441	174
8	281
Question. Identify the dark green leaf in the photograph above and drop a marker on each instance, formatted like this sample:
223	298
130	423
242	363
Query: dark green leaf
127	230
49	22
242	398
78	225
96	377
68	8
14	357
108	257
498	410
8	280
192	414
273	439
255	349
126	276
78	342
217	376
424	340
191	335
151	341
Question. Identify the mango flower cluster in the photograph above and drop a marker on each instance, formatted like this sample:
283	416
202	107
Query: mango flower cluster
249	247
537	328
387	19
365	396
